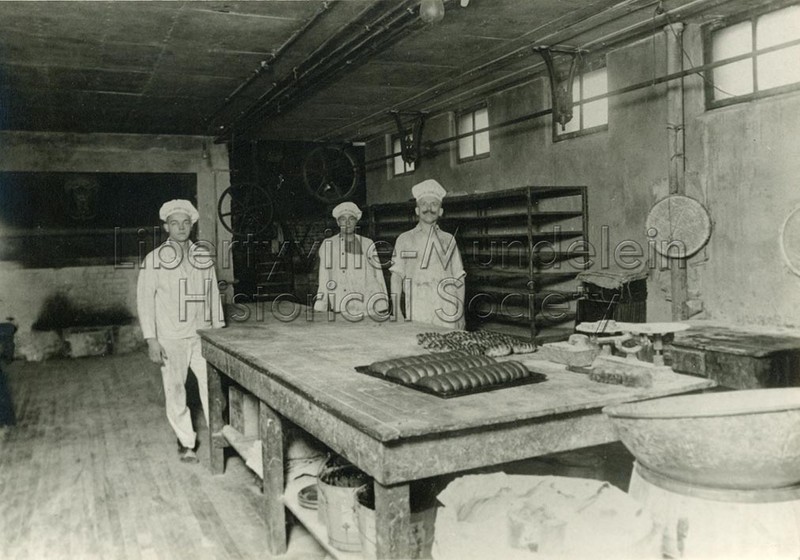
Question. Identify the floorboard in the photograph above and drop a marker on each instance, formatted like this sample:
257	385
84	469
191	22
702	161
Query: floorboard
91	471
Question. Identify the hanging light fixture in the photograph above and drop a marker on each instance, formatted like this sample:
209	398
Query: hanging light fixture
431	11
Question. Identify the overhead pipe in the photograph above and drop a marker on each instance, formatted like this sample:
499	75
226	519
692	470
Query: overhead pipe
675	114
316	61
325	45
330	66
679	280
274	56
475	74
504	124
649	83
349	61
525	74
311	78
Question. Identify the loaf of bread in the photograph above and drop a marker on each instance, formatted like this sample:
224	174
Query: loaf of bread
523	347
384	366
497	350
414	372
642	379
474	378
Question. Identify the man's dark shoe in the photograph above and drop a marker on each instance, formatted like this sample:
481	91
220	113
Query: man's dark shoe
182	449
189	457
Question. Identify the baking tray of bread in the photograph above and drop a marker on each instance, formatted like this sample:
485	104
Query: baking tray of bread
452	374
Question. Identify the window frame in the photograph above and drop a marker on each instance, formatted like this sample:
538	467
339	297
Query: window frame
392	162
588	66
472	110
752	16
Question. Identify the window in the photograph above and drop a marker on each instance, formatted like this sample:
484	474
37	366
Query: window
765	57
400	166
588	116
475	145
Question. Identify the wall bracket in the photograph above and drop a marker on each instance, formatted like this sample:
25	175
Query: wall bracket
560	86
410	137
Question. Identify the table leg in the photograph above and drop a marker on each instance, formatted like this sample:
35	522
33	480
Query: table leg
393	521
272	445
216	404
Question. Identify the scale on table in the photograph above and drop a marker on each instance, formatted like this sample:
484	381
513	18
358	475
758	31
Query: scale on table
648	341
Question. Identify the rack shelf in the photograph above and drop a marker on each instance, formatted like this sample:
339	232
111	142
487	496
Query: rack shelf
536	193
500	236
513	237
248	448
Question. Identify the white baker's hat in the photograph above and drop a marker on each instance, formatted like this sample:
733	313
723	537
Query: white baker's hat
428	187
346	208
178	205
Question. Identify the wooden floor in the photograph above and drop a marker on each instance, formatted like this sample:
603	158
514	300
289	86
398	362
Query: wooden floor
91	470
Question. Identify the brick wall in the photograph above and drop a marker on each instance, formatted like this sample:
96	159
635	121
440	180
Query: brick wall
87	288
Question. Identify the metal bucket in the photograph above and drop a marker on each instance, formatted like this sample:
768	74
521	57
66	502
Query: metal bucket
337	505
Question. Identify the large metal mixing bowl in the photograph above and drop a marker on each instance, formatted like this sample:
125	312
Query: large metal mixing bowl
737	439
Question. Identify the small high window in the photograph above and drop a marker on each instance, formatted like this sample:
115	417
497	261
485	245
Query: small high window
400	165
587	116
765	57
475	144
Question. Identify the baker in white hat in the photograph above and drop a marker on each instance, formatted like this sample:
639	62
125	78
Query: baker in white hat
426	264
176	295
351	279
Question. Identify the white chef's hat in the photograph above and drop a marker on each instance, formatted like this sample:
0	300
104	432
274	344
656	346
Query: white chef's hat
178	205
346	208
428	187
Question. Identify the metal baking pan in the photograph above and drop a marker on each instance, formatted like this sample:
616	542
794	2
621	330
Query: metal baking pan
534	377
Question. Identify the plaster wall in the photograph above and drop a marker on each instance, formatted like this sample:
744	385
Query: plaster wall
24	290
741	163
751	163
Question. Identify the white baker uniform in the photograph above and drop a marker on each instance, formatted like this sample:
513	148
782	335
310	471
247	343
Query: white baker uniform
176	295
351	283
430	264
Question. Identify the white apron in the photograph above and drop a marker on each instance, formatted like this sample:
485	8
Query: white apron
351	284
432	273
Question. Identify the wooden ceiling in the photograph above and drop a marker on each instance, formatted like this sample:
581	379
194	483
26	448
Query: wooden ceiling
281	69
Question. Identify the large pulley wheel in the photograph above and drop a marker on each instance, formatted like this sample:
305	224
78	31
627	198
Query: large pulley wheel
245	209
330	174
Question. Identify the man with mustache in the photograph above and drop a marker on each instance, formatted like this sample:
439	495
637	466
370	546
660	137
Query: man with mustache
426	264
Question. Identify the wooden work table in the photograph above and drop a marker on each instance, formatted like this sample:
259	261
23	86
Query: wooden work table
302	372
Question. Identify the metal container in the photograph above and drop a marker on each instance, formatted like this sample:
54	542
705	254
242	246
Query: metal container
734	440
337	488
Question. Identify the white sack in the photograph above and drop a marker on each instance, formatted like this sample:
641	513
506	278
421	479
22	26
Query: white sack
518	517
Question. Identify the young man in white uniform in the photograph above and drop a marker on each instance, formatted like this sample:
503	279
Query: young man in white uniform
177	294
426	264
350	276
